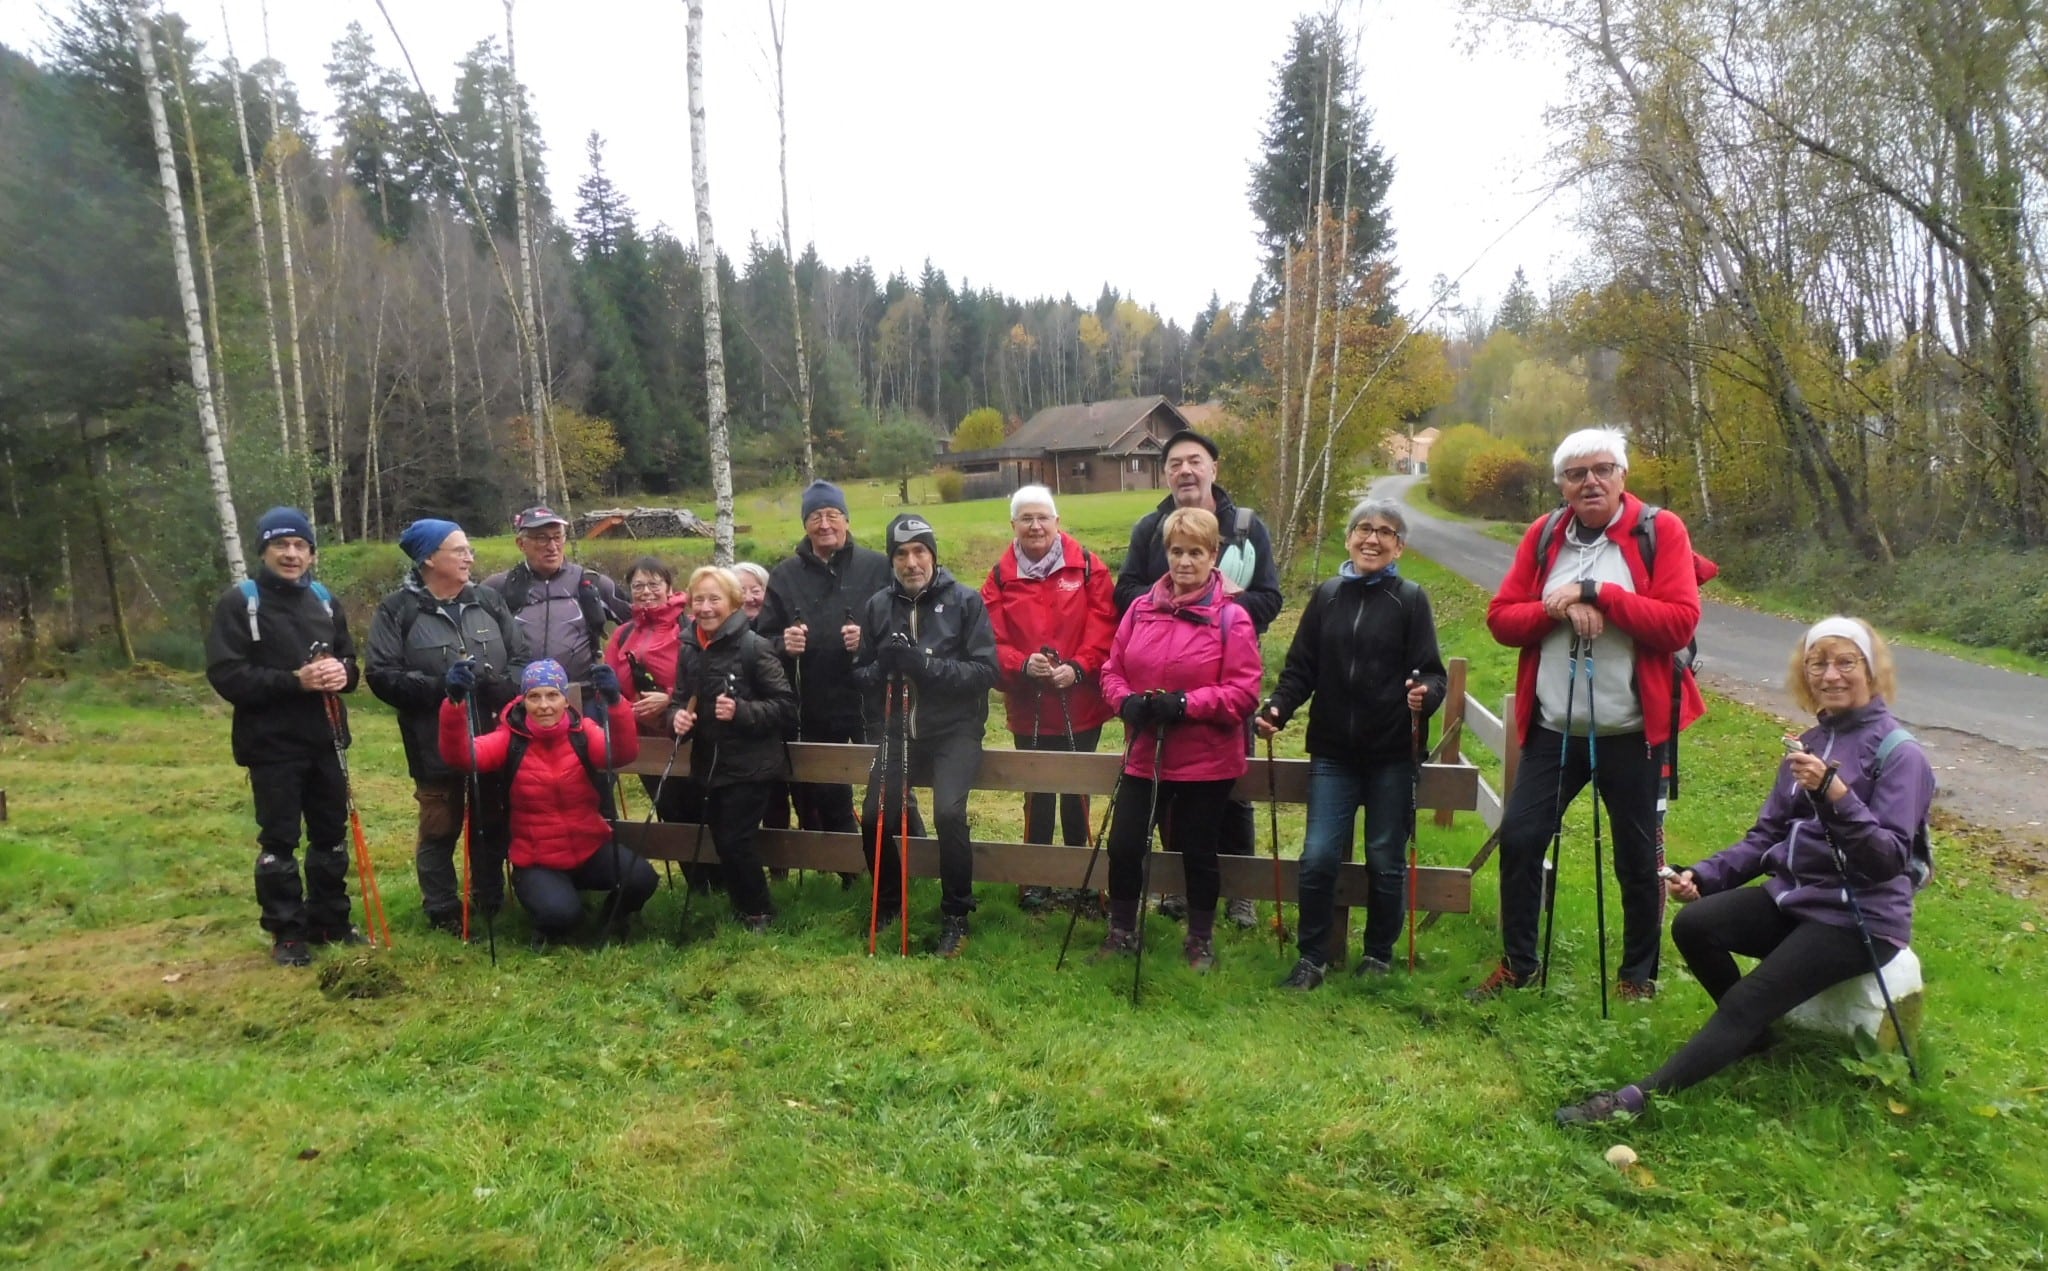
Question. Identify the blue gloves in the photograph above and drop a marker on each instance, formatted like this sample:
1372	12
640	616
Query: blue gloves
460	680
606	682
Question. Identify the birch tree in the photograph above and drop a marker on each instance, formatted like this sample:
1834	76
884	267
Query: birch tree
537	384
195	331
214	364
778	24
707	274
289	452
277	151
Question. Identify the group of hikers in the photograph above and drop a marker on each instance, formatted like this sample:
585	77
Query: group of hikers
840	642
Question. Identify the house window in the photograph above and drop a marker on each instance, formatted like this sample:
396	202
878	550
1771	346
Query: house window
1080	468
1134	465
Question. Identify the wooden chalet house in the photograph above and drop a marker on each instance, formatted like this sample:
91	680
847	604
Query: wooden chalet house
1084	449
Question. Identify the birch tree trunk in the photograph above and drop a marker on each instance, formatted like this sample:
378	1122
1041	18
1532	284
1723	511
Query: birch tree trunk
275	153
95	453
284	414
777	25
217	369
373	409
195	334
537	386
448	324
1342	298
707	277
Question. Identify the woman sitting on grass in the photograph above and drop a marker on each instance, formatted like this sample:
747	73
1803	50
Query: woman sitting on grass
1184	674
1834	801
561	840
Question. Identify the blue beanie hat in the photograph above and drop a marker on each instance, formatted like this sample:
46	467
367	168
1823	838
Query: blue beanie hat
284	523
544	672
420	539
823	494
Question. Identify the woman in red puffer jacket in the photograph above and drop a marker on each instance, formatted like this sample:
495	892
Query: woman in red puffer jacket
562	841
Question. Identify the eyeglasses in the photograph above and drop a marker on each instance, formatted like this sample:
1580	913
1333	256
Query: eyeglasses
1844	665
554	539
826	516
464	553
1600	470
648	588
1377	531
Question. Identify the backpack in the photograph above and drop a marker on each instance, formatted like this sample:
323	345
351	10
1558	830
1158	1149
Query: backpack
579	741
520	577
1920	861
1703	570
252	597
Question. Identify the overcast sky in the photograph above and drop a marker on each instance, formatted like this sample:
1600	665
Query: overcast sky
1042	148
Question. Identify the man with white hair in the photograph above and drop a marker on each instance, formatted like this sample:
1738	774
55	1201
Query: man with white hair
1053	604
1602	595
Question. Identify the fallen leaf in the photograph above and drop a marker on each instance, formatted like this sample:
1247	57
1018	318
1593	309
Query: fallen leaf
484	1193
1641	1176
2027	927
1897	1109
174	977
309	1153
1985	1110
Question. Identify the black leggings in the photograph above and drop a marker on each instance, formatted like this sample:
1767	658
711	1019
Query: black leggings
1800	958
1191	815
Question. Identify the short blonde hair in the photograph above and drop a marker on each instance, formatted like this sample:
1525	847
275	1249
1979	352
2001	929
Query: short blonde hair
1884	677
728	582
1197	525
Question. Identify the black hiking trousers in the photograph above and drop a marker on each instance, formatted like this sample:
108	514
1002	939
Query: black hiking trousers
287	794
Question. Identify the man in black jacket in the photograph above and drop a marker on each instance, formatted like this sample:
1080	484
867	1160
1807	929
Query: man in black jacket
823	586
279	651
1366	652
1249	576
933	633
439	617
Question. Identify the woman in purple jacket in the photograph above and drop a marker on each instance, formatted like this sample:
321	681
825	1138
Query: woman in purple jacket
1841	789
1184	675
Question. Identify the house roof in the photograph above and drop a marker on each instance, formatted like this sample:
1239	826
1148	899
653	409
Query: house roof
1098	427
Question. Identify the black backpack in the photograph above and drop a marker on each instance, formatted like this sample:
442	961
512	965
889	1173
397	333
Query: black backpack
520	577
579	742
1920	864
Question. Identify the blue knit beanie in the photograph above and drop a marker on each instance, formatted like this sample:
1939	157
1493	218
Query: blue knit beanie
424	536
284	523
823	494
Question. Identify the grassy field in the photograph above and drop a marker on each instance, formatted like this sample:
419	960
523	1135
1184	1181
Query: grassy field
168	1097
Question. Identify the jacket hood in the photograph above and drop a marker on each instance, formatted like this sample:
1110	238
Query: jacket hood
514	717
735	623
1070	548
1209	597
670	608
1226	507
810	554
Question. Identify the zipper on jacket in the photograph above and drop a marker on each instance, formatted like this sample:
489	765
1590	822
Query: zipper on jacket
1351	673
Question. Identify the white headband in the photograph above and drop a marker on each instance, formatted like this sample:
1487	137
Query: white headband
1843	628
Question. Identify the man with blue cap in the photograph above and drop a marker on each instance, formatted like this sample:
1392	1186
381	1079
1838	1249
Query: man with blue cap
436	619
278	651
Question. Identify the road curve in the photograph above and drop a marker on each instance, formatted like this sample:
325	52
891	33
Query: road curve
1986	729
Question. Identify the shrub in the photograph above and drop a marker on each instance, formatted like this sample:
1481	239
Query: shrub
1447	461
1502	482
950	483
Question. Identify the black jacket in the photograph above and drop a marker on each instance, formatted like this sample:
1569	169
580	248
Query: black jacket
949	624
1145	560
275	719
742	664
1356	644
824	593
415	638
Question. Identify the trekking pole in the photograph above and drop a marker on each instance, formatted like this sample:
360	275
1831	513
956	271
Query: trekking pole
1273	820
1145	871
604	725
1862	928
366	872
1564	754
703	819
654	804
1414	812
1088	876
903	812
1599	874
879	769
470	711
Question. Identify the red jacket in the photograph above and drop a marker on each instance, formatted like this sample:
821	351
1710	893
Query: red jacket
651	637
1215	661
556	822
1661	615
1074	611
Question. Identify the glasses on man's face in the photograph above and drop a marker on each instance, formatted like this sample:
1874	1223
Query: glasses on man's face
1846	665
1385	532
1600	470
548	540
824	516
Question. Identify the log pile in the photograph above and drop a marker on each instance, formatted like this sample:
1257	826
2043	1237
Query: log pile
641	523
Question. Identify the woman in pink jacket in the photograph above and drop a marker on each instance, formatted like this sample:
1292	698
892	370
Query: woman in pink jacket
1184	674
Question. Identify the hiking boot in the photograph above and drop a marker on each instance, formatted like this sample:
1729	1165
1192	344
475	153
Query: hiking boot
1370	965
341	935
1635	990
1604	1106
1243	911
291	953
447	922
1034	900
1174	907
1084	900
1502	979
540	942
1306	975
952	936
756	924
846	881
1117	942
1200	953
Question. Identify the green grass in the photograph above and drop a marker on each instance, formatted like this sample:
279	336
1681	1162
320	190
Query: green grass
167	1096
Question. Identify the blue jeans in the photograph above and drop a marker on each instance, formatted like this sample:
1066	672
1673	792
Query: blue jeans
1336	792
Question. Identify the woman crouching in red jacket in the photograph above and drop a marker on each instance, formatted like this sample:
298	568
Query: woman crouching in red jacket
1184	673
561	840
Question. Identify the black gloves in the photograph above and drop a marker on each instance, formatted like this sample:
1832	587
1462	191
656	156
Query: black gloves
460	680
1136	709
898	656
1155	706
1169	708
606	682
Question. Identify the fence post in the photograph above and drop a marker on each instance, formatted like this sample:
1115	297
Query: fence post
1454	725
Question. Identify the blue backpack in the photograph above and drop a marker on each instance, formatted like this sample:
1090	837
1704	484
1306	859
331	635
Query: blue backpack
252	597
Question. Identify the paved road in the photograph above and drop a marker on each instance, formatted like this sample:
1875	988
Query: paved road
1986	729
